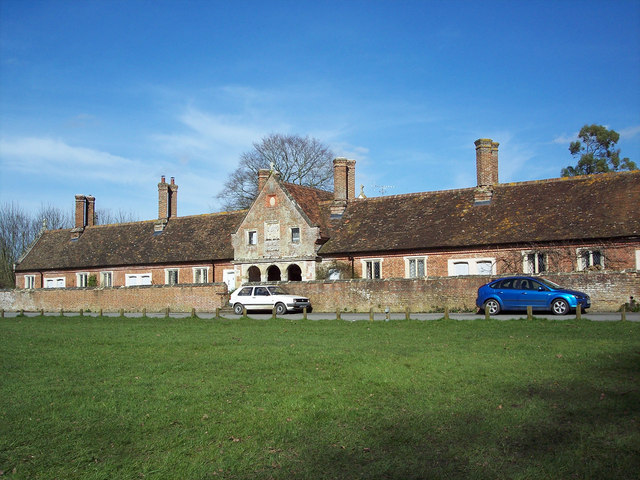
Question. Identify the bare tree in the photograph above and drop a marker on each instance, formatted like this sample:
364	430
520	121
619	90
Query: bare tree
105	216
300	160
19	229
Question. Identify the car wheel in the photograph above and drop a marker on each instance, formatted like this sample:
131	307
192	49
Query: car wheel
559	307
281	309
238	309
492	306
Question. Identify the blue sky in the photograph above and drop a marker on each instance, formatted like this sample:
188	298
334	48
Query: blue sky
103	97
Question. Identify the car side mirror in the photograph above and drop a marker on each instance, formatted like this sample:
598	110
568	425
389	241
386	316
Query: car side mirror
541	289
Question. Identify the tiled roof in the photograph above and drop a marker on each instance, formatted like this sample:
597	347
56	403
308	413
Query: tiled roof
312	201
197	238
577	208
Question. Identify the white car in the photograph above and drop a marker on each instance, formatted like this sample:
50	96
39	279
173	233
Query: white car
266	297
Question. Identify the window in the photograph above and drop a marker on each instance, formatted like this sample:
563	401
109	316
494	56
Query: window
372	269
461	268
295	235
137	279
106	279
200	275
245	292
472	266
484	267
252	237
415	267
590	259
637	259
171	276
81	279
534	262
29	281
57	282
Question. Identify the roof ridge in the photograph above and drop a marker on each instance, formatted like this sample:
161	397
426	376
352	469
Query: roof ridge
308	187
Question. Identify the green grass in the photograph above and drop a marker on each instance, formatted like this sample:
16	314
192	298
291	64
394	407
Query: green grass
114	398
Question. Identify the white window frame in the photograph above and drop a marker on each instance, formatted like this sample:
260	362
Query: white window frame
293	238
252	235
59	282
204	270
167	276
82	278
30	281
580	253
138	276
407	266
532	269
473	265
373	261
637	259
103	279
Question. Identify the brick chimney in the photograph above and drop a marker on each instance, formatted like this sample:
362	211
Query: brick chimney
487	161
344	184
85	214
81	211
486	169
263	176
167	202
91	211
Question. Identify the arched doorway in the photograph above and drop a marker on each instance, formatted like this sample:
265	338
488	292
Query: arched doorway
294	273
273	274
254	274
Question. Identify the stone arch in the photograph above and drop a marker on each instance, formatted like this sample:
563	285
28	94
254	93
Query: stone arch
254	274
273	274
294	273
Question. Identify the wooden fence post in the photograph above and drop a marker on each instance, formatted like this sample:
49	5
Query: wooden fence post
529	312
166	312
100	312
486	314
2	313
218	312
62	312
273	313
407	313
42	312
371	314
304	313
338	316
244	311
193	313
82	312
578	312
122	312
624	313
446	313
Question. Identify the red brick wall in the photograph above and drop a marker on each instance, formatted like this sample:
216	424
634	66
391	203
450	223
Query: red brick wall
608	292
155	298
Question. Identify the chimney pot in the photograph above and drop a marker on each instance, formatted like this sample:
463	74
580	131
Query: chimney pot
173	180
162	179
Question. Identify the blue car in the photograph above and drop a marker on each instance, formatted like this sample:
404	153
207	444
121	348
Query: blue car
517	293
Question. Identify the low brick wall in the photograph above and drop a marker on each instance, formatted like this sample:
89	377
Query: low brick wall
608	292
154	298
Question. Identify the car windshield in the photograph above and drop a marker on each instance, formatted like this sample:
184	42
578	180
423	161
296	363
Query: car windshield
277	291
548	283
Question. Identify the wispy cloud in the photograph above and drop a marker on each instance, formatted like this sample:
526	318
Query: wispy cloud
630	132
46	156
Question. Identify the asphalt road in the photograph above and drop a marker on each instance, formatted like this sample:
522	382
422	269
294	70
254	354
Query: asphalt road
352	317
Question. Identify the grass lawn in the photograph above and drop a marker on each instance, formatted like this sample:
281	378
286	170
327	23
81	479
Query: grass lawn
113	398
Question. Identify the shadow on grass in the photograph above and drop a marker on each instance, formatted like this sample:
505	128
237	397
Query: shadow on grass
584	428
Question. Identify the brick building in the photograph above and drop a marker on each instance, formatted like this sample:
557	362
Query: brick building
298	233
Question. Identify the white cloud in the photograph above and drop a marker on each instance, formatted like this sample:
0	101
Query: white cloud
46	156
630	132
